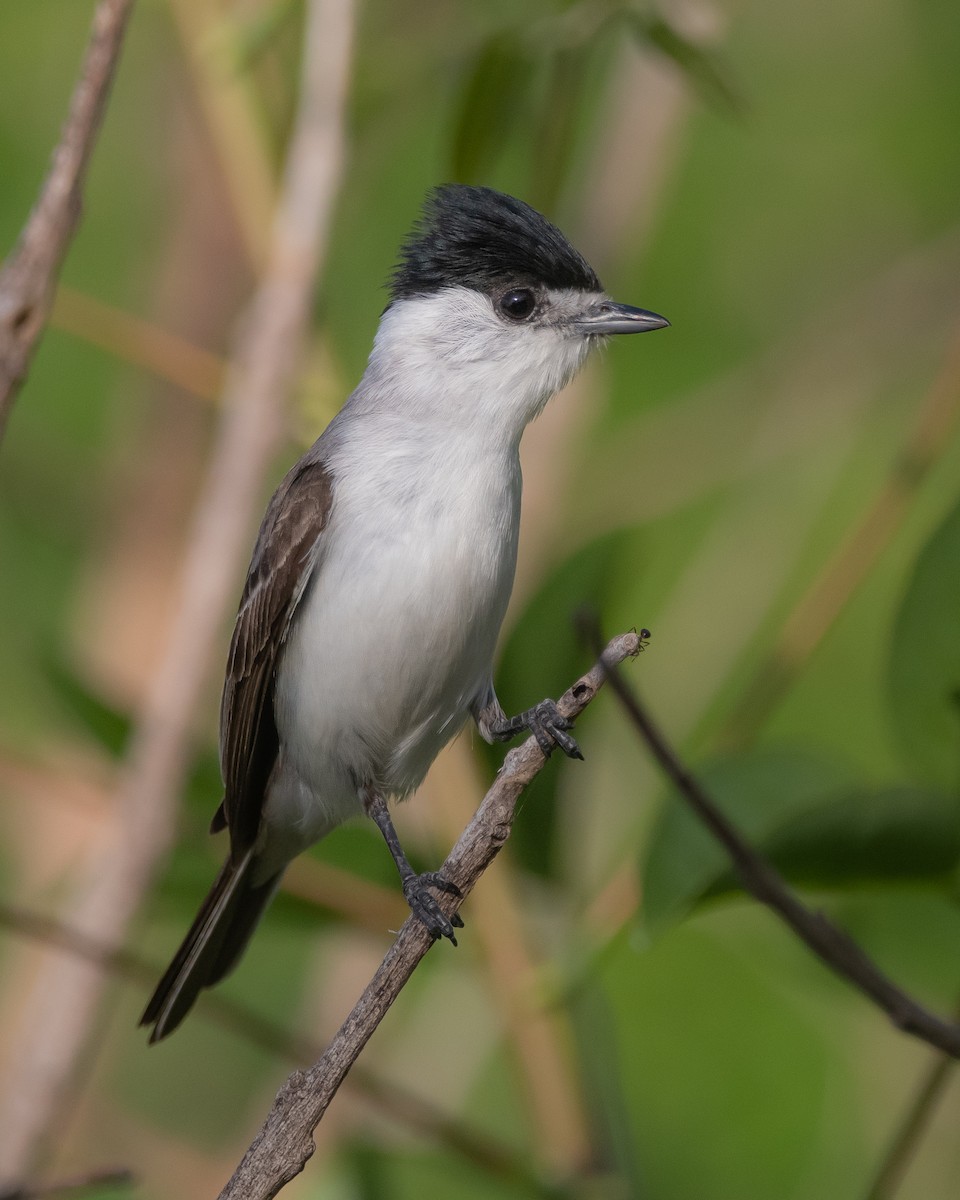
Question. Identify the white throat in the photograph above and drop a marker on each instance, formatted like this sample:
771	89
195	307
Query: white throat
448	358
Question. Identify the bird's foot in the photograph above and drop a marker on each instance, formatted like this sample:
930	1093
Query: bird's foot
425	907
548	726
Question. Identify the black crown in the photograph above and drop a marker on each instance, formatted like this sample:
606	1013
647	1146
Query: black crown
477	238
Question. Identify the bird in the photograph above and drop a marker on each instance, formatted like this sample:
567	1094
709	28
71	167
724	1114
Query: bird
380	576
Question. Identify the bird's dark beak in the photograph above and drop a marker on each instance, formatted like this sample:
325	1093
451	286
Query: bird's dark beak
605	317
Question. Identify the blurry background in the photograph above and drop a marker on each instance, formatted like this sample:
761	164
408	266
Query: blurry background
771	486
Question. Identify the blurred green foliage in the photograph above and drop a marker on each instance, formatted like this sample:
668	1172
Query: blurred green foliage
925	661
797	217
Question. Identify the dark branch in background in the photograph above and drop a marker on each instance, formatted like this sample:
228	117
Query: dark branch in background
29	276
285	1142
112	1177
836	948
399	1103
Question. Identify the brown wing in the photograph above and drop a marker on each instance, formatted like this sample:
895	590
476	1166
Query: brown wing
282	560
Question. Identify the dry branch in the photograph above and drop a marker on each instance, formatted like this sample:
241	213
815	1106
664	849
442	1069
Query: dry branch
65	994
827	941
285	1142
29	276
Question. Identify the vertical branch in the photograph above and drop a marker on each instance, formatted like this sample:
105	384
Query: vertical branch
262	367
29	275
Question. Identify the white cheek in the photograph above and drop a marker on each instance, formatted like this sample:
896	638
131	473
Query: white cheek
452	351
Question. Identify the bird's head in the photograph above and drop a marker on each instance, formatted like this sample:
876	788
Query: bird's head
492	307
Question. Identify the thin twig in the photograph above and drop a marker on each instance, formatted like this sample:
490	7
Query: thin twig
29	276
264	362
834	947
134	340
912	1129
285	1142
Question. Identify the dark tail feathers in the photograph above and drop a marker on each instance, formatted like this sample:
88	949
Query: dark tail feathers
217	938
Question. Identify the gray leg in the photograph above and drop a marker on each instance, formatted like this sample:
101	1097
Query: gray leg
415	887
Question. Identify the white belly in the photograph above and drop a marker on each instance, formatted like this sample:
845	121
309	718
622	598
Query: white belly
394	638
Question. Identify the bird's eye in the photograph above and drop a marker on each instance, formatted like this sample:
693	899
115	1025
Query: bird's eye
518	304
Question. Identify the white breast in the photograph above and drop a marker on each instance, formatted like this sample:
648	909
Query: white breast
396	634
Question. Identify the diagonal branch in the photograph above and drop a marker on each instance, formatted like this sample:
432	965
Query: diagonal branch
827	941
132	339
29	276
285	1142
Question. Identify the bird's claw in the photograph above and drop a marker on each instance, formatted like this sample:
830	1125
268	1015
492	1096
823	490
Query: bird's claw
549	727
425	907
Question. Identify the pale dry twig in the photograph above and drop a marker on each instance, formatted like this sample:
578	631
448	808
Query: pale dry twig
264	362
29	276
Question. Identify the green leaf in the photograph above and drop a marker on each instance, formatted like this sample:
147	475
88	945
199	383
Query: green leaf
760	792
924	668
108	726
891	835
703	68
817	829
493	96
649	1020
557	123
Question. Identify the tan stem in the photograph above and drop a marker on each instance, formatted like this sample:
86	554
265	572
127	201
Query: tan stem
66	991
